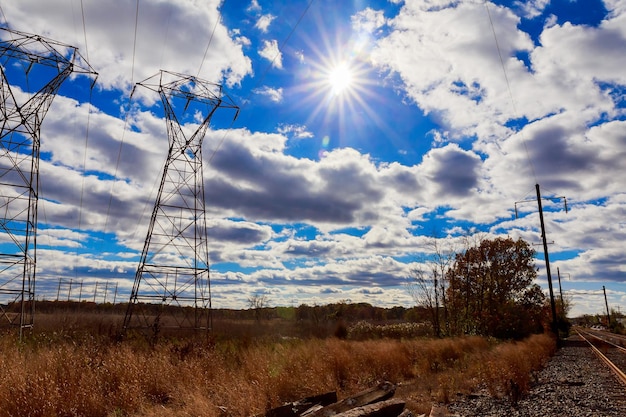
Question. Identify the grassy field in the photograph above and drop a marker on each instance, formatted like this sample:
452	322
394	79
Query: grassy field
73	366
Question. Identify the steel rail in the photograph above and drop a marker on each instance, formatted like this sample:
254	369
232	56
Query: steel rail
621	348
618	372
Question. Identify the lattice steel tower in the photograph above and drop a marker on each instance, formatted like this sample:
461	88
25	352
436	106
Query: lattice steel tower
33	69
172	285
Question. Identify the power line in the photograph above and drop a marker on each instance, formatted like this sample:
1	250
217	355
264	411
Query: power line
82	189
4	16
217	21
132	82
508	85
575	293
267	68
82	11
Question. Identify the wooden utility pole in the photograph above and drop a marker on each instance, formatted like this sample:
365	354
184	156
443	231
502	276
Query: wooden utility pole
545	252
560	291
606	303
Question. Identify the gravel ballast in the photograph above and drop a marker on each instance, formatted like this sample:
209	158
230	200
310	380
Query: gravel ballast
574	383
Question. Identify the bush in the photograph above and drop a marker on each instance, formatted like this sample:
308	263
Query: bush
364	330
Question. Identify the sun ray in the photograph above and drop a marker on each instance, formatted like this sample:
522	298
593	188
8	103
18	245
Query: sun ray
338	88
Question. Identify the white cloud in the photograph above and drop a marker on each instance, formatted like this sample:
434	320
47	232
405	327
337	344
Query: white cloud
450	66
449	63
296	131
271	52
568	83
531	8
264	22
300	56
160	42
368	20
274	94
615	7
254	6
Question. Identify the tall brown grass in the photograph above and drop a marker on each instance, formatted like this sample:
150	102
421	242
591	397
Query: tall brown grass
60	374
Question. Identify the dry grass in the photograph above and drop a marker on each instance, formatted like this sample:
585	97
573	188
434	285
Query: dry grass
69	372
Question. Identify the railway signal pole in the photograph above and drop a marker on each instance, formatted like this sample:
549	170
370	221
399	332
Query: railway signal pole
25	60
173	272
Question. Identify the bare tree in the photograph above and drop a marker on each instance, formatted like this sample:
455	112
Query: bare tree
257	303
421	286
428	283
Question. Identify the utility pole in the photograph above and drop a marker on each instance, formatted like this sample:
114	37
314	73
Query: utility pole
546	255
606	303
59	290
560	291
115	293
69	290
545	251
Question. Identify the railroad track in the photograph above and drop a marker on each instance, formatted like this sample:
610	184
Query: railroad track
609	348
573	383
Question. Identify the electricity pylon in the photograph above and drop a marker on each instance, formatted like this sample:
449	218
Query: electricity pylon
172	286
32	71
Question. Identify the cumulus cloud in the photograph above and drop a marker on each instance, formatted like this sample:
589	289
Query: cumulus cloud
264	22
453	170
240	232
296	131
450	66
274	94
270	51
117	55
551	111
368	20
531	9
254	6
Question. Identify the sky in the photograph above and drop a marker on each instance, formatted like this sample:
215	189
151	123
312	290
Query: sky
368	130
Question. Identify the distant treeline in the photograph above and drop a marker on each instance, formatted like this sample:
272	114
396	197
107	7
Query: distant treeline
347	312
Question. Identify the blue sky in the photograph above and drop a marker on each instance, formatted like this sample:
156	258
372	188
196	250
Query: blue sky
443	115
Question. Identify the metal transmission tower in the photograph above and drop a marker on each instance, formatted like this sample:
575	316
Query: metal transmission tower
173	273
32	71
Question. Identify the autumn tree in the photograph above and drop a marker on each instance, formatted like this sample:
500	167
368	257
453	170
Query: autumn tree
491	290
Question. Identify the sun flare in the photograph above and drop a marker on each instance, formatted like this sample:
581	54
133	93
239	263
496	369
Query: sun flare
340	78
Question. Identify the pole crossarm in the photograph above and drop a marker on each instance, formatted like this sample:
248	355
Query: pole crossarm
534	200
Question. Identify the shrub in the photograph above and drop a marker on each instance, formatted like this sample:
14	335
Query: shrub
364	330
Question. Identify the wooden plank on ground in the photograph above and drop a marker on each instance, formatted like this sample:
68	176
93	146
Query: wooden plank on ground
389	408
381	392
298	407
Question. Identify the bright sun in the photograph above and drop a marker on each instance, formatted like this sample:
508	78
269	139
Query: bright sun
340	78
